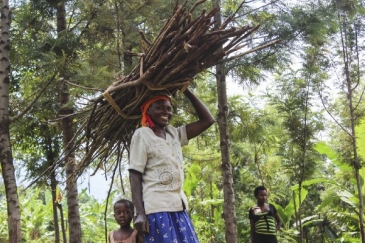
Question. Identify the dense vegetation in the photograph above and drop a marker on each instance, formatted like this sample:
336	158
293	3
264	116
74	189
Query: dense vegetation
297	125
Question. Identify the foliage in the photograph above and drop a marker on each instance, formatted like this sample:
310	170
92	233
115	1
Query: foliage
267	139
341	196
37	221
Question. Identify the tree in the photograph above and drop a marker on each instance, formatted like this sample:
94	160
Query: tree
339	206
37	145
229	208
86	50
294	103
7	166
347	109
66	113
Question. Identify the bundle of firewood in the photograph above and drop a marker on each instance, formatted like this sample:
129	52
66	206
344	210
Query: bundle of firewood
184	48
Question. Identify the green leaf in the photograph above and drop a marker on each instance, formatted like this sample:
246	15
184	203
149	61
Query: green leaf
284	217
323	148
348	198
313	181
327	201
191	181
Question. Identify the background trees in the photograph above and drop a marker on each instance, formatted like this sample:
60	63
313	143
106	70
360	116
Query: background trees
297	125
6	155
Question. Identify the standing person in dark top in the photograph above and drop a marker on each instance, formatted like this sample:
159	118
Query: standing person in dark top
264	219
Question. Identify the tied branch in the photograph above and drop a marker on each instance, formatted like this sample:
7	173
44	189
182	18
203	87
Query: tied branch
184	47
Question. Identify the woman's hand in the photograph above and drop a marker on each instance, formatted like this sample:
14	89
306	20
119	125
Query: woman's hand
141	223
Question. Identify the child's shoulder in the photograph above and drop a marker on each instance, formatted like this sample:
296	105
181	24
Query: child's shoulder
111	236
131	239
135	232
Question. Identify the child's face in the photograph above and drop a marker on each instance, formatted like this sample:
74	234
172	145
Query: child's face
122	214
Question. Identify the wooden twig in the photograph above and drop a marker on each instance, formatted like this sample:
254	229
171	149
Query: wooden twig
144	38
258	48
183	48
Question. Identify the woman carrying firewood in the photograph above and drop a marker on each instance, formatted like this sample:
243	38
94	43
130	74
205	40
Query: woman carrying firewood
156	170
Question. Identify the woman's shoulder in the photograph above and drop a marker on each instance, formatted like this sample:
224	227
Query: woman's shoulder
254	206
142	132
272	208
178	132
271	205
142	129
255	209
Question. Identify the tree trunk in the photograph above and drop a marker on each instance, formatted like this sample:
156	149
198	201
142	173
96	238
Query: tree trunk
303	167
71	186
6	158
67	130
351	86
299	218
356	160
229	208
51	157
361	205
54	207
59	206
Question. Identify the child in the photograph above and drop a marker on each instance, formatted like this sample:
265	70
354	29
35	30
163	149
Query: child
123	214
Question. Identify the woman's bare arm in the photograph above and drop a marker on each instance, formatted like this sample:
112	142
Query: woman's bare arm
205	117
140	222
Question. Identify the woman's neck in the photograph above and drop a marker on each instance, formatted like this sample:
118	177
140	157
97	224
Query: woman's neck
160	132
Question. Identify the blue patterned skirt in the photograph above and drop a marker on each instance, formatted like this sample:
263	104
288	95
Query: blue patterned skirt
170	227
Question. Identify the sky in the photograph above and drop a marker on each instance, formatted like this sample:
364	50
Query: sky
96	185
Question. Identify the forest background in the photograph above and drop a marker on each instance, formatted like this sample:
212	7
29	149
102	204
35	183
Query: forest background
302	135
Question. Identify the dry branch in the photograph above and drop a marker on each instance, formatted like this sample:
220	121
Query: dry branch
183	48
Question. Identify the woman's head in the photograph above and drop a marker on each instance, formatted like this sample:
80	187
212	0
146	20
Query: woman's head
260	193
156	110
123	212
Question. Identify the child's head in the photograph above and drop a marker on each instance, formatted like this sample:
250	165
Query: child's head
123	212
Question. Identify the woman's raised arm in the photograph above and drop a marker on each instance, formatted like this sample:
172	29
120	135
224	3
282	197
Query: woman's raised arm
205	117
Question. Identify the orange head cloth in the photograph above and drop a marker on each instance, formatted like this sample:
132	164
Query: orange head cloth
146	119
